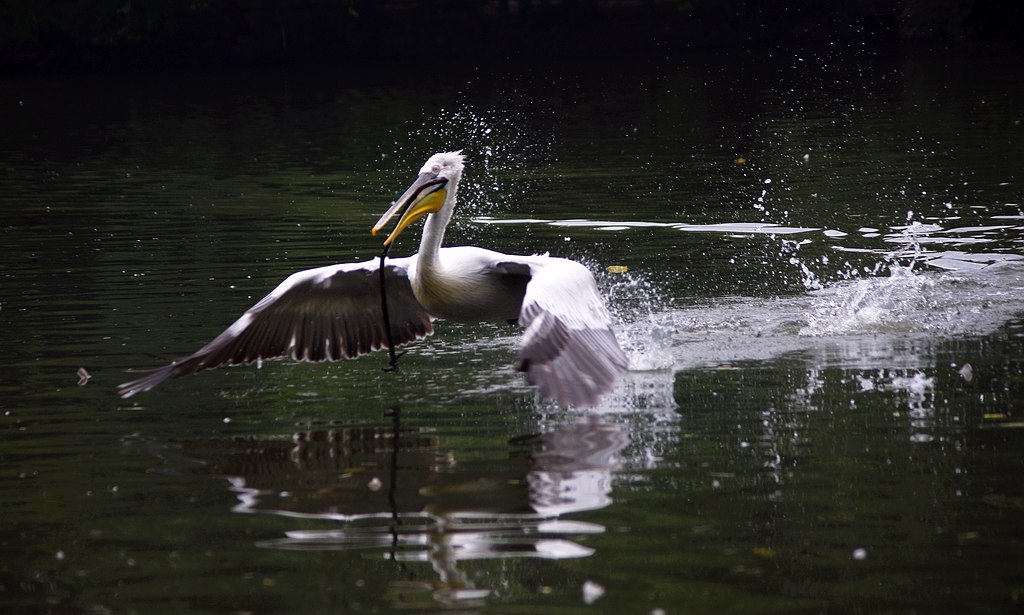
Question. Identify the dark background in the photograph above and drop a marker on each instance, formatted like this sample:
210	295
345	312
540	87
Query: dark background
141	34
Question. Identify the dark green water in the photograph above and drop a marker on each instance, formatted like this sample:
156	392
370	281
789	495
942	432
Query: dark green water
817	244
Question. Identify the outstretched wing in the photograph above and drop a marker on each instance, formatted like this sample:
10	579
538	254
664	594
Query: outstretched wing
568	350
322	314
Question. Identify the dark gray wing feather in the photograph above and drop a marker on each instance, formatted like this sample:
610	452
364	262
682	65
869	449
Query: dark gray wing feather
323	314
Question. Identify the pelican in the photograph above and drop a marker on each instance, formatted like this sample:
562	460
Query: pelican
568	349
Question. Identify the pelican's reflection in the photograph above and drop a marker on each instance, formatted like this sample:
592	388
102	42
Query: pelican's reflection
397	490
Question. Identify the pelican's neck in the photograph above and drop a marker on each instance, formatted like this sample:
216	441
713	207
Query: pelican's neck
434	227
433	235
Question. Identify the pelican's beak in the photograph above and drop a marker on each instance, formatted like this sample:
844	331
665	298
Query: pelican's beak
425	196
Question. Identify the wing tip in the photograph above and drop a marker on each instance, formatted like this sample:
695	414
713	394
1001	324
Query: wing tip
147	382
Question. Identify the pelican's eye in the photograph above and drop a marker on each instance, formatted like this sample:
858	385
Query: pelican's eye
436	169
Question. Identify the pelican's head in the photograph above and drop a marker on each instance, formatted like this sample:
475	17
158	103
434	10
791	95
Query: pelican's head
427	195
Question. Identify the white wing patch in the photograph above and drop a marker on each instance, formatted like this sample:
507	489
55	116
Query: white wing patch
569	350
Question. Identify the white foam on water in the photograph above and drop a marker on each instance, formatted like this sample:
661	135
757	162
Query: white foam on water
855	323
901	302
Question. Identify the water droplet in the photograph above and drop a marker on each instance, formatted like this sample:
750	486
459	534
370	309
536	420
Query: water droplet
592	592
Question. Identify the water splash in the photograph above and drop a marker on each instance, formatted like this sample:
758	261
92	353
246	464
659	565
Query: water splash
643	333
852	323
809	279
903	301
909	238
907	300
497	145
